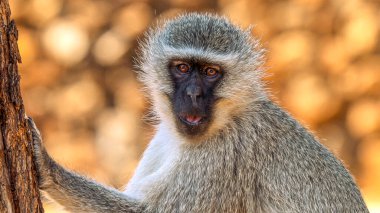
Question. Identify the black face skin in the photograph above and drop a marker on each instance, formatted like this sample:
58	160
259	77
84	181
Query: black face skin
193	97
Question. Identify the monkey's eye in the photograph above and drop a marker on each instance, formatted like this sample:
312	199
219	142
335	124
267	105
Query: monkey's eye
211	72
183	68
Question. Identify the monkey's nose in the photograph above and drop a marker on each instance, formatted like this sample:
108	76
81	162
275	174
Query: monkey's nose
194	91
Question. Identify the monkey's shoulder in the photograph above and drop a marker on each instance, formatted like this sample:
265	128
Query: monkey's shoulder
293	166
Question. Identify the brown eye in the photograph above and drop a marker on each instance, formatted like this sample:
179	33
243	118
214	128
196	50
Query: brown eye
211	72
184	68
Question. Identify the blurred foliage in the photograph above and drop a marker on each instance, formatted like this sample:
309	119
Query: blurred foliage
78	81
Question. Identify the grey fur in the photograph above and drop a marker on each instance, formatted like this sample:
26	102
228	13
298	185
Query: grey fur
257	158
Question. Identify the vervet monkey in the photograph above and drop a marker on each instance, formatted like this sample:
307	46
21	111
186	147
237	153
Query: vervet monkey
221	145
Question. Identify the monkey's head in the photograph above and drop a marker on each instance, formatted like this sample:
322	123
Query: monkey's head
201	71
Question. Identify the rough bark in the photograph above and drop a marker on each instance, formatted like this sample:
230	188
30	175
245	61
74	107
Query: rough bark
18	180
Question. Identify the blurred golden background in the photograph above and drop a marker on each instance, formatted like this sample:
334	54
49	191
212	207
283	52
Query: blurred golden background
79	86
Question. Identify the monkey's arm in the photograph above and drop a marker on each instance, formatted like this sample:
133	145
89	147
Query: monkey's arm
74	192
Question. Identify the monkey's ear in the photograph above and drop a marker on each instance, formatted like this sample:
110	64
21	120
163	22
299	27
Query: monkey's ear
250	28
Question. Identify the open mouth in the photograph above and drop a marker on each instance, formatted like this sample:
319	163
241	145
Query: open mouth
192	120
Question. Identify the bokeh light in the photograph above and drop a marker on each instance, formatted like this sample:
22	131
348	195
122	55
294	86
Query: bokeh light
66	42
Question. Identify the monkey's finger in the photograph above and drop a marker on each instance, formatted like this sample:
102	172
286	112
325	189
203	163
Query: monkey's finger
38	148
36	135
32	125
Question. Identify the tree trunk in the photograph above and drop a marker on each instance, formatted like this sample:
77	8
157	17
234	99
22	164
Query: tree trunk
18	181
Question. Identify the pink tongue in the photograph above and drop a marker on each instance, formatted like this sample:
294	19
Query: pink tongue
193	118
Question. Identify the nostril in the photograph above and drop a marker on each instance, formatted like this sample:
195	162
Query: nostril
193	92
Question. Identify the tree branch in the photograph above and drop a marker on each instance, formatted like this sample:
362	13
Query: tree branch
18	181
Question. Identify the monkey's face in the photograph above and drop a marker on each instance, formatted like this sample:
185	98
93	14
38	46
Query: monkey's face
193	96
202	72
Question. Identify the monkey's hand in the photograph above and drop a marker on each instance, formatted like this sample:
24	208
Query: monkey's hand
41	158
